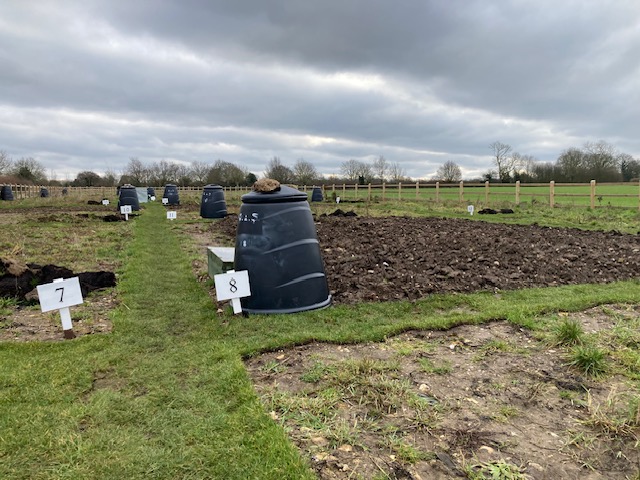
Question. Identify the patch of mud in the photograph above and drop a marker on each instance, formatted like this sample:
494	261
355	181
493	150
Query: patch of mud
442	404
397	258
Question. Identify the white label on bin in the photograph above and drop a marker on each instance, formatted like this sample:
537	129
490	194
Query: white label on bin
57	295
165	201
232	285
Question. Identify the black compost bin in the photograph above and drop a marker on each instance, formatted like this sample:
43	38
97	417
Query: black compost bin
128	196
150	192
316	194
6	193
171	194
213	204
277	243
44	193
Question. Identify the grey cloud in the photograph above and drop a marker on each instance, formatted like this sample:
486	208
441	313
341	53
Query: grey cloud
425	82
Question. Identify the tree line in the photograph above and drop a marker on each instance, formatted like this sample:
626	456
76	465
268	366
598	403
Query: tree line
598	161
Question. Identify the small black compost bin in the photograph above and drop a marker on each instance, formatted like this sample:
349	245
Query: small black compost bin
150	192
6	193
128	196
316	194
213	204
277	244
44	193
171	194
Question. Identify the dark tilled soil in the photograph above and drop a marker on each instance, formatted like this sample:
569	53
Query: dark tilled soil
381	259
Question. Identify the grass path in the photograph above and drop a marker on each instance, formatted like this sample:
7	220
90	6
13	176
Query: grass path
161	397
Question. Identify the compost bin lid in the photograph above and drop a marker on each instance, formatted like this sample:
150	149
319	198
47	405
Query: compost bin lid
285	194
212	186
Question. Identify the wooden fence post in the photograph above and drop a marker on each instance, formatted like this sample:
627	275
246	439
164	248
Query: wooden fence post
486	193
461	191
437	192
552	192
592	194
356	190
384	186
417	190
518	192
369	194
399	190
344	190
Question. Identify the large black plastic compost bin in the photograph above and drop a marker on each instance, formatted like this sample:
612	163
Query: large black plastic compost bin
150	192
171	194
128	196
6	193
277	243
44	193
316	194
213	204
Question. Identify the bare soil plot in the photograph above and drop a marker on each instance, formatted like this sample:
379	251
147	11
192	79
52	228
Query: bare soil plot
400	258
75	238
471	400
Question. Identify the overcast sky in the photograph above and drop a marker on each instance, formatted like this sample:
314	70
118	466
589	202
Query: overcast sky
87	84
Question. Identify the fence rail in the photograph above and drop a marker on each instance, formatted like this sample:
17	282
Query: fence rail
481	194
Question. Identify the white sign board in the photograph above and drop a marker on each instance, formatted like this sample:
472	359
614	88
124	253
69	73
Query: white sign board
61	294
105	202
232	286
152	198
172	215
165	201
470	209
125	209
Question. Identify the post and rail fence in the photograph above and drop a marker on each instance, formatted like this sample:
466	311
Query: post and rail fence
552	194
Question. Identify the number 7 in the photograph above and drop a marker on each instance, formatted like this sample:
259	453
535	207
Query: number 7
61	293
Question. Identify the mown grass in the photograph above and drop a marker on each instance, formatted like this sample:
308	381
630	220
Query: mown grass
166	394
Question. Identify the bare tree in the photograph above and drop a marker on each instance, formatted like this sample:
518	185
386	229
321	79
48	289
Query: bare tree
199	172
304	172
136	172
501	159
28	168
5	162
278	171
449	172
109	178
601	160
357	170
380	167
397	174
571	163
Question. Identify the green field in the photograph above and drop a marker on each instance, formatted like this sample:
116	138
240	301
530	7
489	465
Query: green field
166	394
566	195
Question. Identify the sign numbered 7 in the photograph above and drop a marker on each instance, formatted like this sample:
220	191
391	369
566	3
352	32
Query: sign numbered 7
57	295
